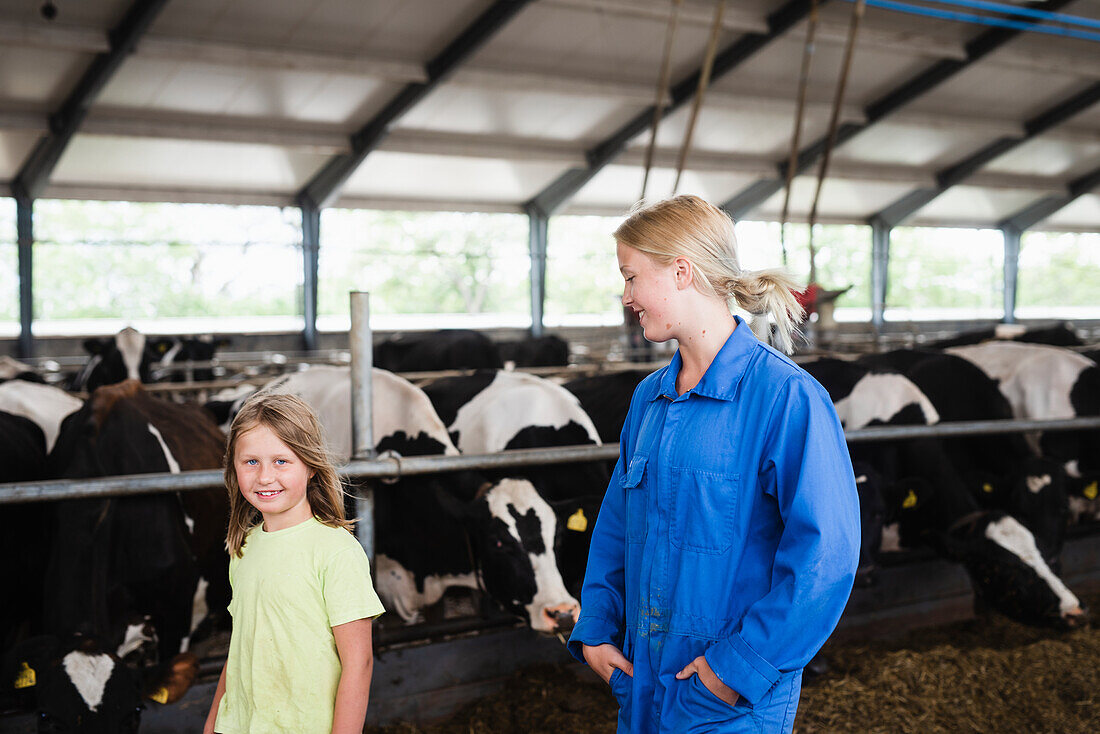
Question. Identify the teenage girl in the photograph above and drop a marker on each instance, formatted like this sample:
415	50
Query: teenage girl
300	656
728	539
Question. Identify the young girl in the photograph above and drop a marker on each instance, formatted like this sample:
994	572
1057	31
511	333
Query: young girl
728	539
300	656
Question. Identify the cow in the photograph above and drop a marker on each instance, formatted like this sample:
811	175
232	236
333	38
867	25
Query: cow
606	399
45	405
12	369
437	531
1000	554
113	557
1060	335
183	350
1044	382
535	351
445	349
131	355
492	411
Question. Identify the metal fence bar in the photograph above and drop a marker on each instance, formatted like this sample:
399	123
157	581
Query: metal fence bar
394	467
362	411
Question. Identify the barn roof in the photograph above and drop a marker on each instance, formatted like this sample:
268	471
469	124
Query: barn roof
545	106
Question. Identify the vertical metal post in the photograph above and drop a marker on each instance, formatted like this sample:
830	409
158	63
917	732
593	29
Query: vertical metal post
311	247
24	229
362	426
539	226
880	264
1012	268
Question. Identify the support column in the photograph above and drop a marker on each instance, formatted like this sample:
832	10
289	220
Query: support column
24	228
880	262
539	227
311	247
1012	268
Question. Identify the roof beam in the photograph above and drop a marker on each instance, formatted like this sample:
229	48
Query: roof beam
565	186
692	12
961	170
64	123
325	183
1031	215
978	48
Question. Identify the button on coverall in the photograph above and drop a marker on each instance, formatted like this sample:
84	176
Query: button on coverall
730	529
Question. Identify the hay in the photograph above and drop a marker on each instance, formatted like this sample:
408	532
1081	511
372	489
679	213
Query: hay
982	675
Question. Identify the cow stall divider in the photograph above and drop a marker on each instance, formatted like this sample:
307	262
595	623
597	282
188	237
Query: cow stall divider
429	670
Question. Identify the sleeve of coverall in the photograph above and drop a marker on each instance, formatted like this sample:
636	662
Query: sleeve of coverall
807	468
603	595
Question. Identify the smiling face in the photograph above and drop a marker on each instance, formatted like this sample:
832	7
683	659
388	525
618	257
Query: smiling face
272	478
651	290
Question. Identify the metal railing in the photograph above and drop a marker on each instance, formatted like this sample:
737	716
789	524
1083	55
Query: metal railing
393	467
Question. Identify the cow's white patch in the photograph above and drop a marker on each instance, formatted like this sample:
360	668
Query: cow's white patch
170	356
89	675
1035	484
880	397
549	587
514	401
398	405
131	345
199	610
891	538
1080	508
397	587
134	638
47	406
1073	469
1018	540
861	479
173	465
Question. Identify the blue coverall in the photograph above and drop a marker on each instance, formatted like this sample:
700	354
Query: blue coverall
730	529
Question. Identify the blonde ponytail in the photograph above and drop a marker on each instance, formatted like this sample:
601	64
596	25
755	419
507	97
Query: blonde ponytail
770	293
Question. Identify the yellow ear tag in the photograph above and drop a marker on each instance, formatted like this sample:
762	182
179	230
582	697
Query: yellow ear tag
577	521
987	488
910	500
160	695
25	678
1090	491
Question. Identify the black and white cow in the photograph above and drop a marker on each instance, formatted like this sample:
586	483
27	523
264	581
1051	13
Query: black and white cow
112	558
493	411
445	349
606	399
1044	382
423	522
999	553
535	351
131	355
1060	335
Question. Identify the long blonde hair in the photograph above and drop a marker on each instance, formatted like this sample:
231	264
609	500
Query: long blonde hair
703	234
294	423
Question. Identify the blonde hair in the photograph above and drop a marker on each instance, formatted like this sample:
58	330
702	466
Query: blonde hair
703	234
294	423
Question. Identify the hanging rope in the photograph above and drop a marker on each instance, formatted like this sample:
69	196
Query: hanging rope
838	101
662	91
700	92
796	137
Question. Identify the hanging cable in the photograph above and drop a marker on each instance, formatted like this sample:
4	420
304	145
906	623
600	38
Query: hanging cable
662	91
838	102
700	92
796	136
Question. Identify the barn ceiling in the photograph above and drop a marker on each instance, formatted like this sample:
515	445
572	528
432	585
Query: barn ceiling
252	101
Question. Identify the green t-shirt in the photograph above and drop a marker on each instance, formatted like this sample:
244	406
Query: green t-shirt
290	589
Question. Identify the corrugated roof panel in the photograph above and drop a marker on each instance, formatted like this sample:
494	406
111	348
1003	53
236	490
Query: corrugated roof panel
220	89
840	199
39	75
971	205
15	146
1082	215
618	187
148	162
750	130
458	108
98	13
1043	157
403	175
911	144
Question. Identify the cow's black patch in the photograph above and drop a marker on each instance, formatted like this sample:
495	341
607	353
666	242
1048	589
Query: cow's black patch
529	529
449	394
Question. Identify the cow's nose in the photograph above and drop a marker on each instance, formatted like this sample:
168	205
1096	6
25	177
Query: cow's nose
561	617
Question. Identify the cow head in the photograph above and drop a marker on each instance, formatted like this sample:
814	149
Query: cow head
125	356
512	531
872	515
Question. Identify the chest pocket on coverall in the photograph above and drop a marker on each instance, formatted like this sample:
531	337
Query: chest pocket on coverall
704	506
636	500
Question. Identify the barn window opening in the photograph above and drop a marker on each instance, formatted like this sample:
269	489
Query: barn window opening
1059	272
9	270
